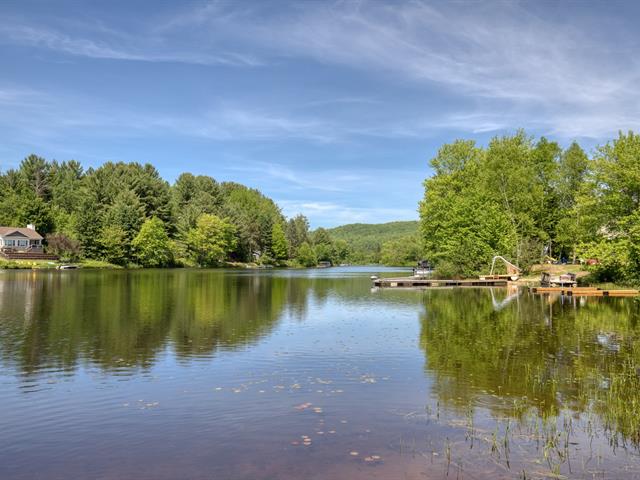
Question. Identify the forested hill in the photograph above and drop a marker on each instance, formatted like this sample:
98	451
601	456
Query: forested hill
367	242
127	214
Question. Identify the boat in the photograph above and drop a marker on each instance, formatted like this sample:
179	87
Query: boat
423	269
67	267
564	280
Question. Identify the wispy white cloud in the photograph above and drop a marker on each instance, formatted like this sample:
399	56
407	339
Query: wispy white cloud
505	65
347	179
228	123
511	64
115	45
333	214
51	114
325	181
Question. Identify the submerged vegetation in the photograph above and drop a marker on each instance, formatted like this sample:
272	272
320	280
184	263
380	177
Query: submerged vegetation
552	373
526	199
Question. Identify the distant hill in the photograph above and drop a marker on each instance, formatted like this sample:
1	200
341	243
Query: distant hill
365	239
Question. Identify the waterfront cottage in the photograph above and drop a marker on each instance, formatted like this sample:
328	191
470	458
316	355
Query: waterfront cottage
17	239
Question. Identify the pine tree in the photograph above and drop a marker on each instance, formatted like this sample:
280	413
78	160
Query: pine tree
279	246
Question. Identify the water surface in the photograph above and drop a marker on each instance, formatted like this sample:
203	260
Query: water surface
209	374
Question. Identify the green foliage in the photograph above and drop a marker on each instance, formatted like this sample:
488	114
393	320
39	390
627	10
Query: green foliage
306	255
152	245
89	224
113	244
523	200
513	198
279	246
463	223
321	237
365	241
610	211
64	247
192	196
612	259
404	251
35	210
34	176
92	208
297	232
340	251
253	214
211	240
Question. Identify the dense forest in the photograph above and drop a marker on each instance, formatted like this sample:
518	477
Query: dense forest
126	214
526	199
392	243
530	200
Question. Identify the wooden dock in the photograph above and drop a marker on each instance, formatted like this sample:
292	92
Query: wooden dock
585	291
413	282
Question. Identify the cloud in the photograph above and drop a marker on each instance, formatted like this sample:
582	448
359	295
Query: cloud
330	214
504	65
119	46
228	123
52	114
306	179
503	61
502	51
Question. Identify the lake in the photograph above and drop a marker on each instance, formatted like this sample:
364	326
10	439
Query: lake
310	374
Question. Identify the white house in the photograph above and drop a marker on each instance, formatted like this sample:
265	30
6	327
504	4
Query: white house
17	239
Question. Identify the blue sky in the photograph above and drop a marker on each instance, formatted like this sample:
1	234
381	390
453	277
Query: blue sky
331	108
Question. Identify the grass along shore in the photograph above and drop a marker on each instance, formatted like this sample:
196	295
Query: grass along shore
49	264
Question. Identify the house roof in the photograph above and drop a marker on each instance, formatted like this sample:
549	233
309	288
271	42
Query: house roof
27	232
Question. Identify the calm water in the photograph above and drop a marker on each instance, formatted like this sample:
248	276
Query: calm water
310	375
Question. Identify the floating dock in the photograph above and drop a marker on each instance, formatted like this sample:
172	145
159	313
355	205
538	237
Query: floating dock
585	291
413	282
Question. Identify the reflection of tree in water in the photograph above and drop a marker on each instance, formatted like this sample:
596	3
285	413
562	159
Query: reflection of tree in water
124	319
120	319
536	352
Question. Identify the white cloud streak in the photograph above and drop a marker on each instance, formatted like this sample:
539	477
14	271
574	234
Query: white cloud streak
119	46
330	214
510	64
506	66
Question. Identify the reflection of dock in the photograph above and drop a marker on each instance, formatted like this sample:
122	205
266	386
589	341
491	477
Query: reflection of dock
434	283
585	291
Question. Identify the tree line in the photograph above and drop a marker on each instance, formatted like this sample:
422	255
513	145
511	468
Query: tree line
125	213
531	200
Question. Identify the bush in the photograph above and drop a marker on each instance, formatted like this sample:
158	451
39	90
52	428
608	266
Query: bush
612	260
307	256
446	269
64	247
152	246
